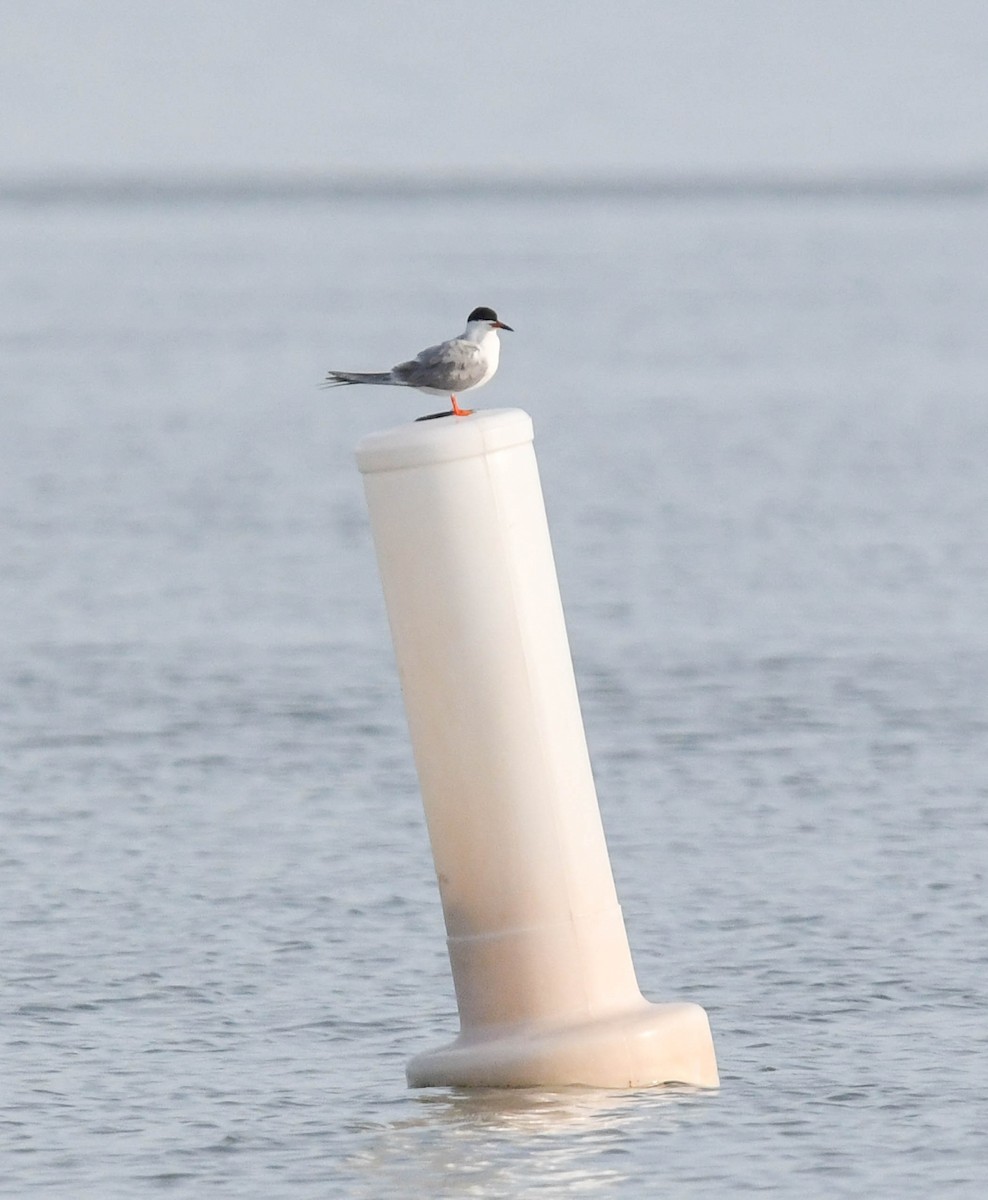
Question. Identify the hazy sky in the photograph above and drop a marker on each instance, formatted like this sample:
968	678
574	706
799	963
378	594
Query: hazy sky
421	85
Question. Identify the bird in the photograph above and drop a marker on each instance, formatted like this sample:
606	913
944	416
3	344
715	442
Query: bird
453	367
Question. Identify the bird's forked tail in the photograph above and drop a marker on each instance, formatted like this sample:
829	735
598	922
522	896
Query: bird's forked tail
340	378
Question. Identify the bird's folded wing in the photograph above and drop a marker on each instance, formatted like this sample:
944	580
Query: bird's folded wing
451	367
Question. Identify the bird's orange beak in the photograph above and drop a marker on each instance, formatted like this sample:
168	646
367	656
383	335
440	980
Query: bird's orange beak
501	325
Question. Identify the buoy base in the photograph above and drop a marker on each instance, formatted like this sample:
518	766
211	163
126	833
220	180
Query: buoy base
648	1045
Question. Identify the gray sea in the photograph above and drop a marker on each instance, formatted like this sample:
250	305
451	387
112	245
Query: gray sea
762	427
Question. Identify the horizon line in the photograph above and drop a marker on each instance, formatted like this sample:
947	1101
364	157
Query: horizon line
247	186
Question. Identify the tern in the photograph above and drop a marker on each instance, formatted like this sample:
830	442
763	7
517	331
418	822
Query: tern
449	369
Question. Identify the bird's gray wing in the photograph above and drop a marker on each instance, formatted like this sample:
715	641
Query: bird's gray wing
451	366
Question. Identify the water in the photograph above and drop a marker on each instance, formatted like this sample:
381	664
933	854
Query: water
762	431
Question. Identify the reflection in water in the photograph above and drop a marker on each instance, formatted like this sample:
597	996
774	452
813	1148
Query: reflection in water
501	1142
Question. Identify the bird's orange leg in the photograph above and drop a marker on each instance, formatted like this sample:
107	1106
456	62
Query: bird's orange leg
460	412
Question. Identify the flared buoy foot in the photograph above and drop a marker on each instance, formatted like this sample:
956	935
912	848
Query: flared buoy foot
643	1047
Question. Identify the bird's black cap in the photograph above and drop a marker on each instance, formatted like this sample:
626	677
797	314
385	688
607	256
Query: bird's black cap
488	314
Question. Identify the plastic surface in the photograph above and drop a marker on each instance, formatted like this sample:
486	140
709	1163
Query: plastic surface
545	985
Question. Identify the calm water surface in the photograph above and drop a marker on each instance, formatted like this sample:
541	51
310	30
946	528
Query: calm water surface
763	434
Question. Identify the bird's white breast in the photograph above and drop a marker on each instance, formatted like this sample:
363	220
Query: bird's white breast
490	346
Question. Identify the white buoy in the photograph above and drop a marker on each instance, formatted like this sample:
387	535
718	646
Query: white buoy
545	985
